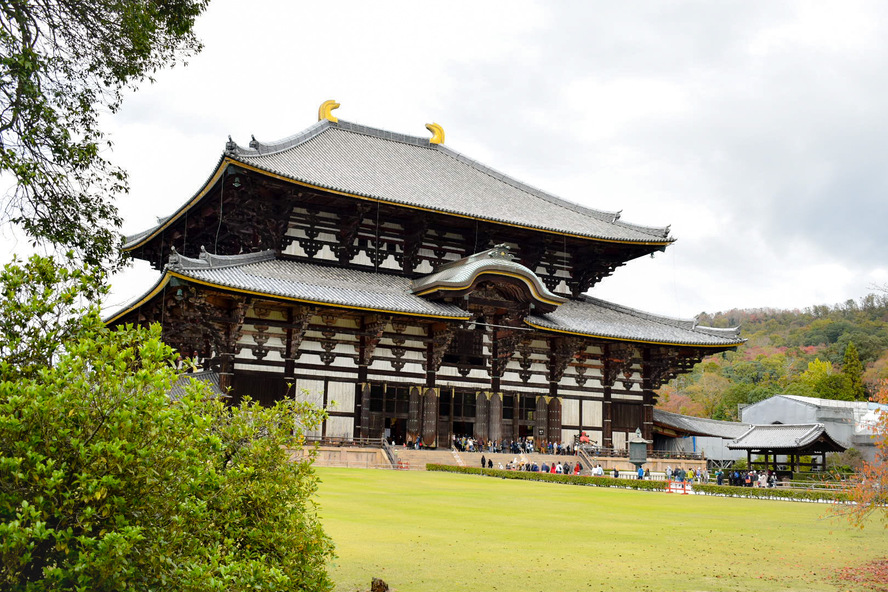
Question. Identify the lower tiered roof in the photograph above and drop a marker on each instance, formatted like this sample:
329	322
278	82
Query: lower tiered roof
262	274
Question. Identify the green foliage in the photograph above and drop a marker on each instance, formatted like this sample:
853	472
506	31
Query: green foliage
105	484
44	303
61	65
869	487
853	370
838	352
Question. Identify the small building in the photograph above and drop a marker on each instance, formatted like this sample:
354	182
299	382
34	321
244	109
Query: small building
783	448
849	423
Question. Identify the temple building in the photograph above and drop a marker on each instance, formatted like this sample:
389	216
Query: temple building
412	291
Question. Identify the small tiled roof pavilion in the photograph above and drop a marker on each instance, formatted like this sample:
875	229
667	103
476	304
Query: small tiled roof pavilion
791	442
411	290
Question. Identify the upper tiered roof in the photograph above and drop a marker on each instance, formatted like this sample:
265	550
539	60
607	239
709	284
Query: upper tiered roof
414	172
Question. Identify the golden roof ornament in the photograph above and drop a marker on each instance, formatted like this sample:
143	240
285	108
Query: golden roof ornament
325	111
437	133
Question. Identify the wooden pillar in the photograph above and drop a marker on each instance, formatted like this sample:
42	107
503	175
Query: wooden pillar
496	416
554	420
430	418
482	415
289	357
365	410
226	372
414	415
541	421
607	429
647	416
608	377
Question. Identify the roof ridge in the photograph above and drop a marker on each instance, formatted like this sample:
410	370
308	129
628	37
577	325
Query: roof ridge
604	216
688	324
257	148
207	260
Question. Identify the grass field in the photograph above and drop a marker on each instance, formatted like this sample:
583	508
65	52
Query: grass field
437	532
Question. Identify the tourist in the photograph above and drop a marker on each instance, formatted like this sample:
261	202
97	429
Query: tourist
640	474
483	461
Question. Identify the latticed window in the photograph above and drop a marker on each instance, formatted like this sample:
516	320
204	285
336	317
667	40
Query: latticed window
466	347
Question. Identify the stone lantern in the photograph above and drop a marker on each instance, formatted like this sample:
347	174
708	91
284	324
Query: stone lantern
638	449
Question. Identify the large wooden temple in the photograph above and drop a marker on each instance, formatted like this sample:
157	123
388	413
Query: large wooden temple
411	291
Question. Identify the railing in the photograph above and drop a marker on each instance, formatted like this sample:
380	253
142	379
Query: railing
598	451
389	453
356	442
585	461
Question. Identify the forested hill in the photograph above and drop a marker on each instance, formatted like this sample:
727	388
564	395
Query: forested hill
831	352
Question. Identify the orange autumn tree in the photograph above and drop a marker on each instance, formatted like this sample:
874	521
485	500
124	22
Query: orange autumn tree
869	491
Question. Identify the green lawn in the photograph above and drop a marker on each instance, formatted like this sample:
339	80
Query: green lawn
440	532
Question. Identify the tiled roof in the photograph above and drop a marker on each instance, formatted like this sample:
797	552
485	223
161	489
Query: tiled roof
262	274
784	437
700	426
400	169
591	316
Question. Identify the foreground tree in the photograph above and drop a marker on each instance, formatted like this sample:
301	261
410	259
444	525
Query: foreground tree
105	484
62	62
869	492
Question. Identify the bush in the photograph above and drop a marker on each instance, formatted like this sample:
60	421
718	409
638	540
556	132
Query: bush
107	485
772	493
648	485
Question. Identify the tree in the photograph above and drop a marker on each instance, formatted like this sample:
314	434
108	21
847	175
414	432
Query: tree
822	381
105	484
708	392
61	63
853	369
868	492
44	303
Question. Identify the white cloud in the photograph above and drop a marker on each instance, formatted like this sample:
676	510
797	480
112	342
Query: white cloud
756	130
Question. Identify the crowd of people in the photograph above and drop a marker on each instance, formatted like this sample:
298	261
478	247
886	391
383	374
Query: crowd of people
689	475
523	446
558	468
520	446
752	478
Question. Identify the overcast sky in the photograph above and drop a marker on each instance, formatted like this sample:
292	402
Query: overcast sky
756	129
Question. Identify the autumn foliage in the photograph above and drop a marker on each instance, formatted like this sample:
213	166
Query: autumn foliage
869	490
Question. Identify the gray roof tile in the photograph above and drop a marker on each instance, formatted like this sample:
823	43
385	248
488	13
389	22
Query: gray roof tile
591	316
262	273
783	437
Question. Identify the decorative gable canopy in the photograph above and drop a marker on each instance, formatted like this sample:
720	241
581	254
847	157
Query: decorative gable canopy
461	277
